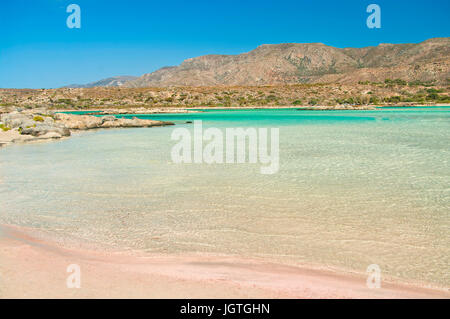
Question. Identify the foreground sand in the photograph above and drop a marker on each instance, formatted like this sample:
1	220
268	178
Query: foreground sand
36	268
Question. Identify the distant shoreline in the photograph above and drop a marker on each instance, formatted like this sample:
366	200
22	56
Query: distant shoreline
172	110
59	122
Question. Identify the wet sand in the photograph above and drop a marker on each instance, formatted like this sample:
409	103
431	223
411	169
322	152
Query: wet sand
33	267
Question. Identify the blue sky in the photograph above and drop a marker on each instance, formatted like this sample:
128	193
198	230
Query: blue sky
133	37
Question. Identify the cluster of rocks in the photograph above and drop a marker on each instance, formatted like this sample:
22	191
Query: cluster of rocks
28	125
337	107
86	122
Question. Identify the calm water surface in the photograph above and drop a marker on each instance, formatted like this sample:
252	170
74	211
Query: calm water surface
354	188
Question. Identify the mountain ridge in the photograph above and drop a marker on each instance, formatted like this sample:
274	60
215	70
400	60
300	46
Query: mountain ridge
294	63
107	82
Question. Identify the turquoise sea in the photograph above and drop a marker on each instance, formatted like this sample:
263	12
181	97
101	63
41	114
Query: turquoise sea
354	188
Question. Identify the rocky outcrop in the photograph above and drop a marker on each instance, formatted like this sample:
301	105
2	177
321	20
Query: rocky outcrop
38	124
43	129
85	122
17	119
337	108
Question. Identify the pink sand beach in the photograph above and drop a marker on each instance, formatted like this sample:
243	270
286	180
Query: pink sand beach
35	268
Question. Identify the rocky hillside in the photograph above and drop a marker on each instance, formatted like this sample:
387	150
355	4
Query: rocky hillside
109	82
292	63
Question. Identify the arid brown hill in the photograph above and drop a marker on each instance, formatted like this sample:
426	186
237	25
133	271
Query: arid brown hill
309	63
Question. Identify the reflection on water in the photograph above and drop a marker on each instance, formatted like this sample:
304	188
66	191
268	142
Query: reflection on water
353	189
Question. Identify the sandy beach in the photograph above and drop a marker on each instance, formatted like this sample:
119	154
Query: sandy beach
32	267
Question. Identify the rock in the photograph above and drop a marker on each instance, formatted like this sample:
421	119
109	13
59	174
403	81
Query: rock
24	128
64	131
42	129
78	122
22	139
27	131
50	135
13	136
336	107
16	119
48	120
83	122
108	118
27	123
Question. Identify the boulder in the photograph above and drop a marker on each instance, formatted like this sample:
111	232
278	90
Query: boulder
108	118
50	135
16	119
78	122
42	129
48	120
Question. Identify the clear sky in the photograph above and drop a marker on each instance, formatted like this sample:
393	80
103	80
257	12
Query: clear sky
133	37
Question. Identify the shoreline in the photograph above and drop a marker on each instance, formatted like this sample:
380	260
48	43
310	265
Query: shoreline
21	126
58	124
34	266
194	109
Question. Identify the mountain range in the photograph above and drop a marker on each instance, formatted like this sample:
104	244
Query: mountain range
108	82
290	63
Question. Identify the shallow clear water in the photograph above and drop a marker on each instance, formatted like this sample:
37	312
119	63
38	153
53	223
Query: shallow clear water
354	188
